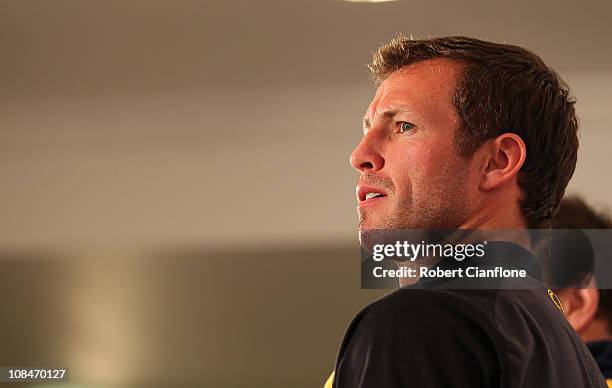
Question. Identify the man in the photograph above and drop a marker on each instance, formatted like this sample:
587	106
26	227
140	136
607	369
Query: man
588	309
464	134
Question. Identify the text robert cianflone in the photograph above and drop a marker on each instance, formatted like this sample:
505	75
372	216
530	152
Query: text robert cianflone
468	272
405	250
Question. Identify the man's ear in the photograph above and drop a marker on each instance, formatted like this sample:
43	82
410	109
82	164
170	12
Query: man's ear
579	306
503	158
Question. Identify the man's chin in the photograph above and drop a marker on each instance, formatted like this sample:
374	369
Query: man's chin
371	234
370	237
366	226
367	239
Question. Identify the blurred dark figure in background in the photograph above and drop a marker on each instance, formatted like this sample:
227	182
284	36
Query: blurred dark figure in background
588	309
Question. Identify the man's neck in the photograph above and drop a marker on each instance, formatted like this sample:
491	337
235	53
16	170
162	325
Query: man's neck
504	224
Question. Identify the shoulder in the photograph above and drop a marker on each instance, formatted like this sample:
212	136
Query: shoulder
535	311
487	317
421	338
484	337
440	306
424	317
434	304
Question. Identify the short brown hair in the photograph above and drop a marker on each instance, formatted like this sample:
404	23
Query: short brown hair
504	88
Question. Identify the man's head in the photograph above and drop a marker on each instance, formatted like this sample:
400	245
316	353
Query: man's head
460	128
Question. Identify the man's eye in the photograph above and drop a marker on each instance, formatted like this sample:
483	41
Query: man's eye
406	126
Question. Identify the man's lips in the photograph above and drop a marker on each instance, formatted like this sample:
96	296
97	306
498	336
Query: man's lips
368	194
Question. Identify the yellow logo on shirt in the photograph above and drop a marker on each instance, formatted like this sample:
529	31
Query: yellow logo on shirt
555	299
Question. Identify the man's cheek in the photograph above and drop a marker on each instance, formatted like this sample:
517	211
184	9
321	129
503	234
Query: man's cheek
404	192
419	161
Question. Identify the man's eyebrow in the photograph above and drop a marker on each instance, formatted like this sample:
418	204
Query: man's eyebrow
388	114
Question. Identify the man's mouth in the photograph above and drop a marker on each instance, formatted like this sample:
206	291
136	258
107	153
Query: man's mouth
373	195
367	194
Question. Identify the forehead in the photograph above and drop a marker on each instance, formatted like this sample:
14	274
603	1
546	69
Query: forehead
424	87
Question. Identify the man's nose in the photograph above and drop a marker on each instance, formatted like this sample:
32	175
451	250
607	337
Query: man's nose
368	156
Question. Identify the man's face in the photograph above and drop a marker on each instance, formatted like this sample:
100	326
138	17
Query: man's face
407	153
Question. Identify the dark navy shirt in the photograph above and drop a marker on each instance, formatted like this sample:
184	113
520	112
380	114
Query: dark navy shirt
429	336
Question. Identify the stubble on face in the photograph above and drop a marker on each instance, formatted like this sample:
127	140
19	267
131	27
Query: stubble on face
444	205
